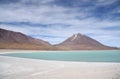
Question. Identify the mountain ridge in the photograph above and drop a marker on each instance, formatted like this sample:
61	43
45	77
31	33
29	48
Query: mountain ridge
16	40
82	42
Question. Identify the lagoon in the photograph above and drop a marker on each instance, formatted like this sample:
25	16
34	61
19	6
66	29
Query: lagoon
78	56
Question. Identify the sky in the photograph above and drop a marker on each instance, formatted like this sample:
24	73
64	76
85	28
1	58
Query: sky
56	20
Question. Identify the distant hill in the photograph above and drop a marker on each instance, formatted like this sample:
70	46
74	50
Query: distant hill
82	42
16	40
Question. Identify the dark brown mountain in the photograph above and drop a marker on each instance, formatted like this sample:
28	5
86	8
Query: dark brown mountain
82	42
16	40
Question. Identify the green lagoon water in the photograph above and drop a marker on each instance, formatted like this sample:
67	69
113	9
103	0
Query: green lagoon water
82	56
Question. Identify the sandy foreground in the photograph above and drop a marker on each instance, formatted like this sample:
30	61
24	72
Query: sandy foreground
23	68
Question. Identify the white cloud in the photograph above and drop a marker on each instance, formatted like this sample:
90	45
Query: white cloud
105	2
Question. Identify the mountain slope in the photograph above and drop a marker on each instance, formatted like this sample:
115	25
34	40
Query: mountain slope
16	40
82	42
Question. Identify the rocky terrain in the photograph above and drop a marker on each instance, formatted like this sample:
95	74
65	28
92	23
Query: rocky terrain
16	40
82	42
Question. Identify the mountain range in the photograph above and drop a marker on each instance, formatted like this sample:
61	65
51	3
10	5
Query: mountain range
16	40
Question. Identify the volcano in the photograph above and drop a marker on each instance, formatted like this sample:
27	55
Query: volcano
82	42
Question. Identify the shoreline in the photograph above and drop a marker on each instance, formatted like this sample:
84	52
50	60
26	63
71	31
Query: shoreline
63	60
5	51
23	68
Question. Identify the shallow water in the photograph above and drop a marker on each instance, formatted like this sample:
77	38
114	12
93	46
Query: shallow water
82	56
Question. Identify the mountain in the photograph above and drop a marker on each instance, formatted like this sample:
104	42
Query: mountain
16	40
82	42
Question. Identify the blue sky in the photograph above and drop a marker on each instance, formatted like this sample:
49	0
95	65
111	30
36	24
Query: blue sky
56	20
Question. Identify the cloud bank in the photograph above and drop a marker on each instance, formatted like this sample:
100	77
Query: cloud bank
55	20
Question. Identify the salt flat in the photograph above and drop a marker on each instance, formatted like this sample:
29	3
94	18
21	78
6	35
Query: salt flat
22	68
